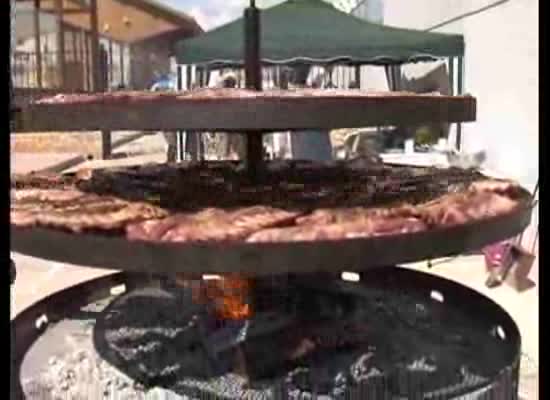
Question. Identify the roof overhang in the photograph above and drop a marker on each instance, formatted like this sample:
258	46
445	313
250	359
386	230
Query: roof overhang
126	21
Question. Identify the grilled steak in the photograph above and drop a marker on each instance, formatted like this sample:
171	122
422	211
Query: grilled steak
293	203
211	225
376	226
77	211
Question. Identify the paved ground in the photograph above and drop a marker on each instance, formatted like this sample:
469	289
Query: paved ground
26	162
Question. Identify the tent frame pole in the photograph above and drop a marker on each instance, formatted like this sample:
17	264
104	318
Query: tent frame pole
452	74
460	91
358	75
187	135
451	61
180	137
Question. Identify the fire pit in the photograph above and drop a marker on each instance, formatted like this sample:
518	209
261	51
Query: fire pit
394	334
281	323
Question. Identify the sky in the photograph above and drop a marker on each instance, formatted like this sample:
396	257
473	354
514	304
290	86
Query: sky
212	13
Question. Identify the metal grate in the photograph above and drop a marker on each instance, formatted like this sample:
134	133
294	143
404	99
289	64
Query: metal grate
357	356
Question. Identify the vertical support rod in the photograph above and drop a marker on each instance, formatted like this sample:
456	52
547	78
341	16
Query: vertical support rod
452	75
460	91
188	77
37	43
111	72
389	77
253	79
198	76
106	146
96	73
453	91
60	42
180	136
197	136
89	71
104	70
121	50
191	136
81	56
396	72
188	83
358	76
74	45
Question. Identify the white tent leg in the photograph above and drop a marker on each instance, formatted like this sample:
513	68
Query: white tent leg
460	90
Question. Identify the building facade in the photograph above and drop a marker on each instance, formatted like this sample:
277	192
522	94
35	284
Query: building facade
501	71
55	43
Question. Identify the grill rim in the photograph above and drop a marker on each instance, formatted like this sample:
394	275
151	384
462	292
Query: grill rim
262	259
62	304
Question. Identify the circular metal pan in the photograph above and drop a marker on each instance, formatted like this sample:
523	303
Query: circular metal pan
256	114
33	347
261	259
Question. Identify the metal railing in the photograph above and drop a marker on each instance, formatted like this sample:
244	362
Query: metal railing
27	74
78	76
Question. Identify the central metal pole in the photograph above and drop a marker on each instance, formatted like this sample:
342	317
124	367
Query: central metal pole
37	44
253	80
94	30
61	43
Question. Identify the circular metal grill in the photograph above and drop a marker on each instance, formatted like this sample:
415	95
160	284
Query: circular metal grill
60	349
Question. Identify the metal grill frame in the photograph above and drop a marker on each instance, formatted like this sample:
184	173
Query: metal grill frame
504	385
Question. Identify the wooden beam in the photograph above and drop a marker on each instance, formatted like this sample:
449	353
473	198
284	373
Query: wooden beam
61	42
239	115
96	73
68	11
37	44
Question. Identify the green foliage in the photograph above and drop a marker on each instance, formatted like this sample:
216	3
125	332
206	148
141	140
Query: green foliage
426	135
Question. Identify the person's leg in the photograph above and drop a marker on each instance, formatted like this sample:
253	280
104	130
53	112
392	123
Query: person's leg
171	140
172	154
241	146
237	146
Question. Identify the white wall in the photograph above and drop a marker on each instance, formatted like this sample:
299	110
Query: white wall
501	71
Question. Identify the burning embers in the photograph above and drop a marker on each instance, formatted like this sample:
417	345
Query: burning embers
228	295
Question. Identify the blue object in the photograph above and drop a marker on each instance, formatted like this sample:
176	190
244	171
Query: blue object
164	83
311	145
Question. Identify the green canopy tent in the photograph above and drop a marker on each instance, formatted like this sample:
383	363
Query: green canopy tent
314	32
303	33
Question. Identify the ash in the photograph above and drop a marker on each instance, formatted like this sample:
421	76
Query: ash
334	342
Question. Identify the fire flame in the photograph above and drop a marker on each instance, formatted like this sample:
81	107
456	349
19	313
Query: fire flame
229	294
